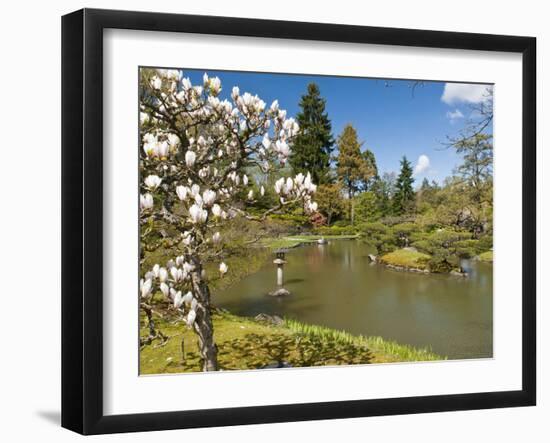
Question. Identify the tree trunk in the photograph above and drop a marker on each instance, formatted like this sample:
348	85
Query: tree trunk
207	348
352	209
203	322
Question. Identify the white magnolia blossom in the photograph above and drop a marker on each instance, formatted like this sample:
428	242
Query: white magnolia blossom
223	268
178	300
216	210
152	182
165	289
190	158
191	316
145	287
144	118
216	237
163	275
188	298
182	192
197	214
146	201
297	188
208	198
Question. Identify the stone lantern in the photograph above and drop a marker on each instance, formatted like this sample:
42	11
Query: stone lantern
280	261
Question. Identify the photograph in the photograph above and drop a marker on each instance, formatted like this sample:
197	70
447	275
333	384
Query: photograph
296	220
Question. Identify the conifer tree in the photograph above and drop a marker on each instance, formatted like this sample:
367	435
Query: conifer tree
369	157
403	199
352	168
314	144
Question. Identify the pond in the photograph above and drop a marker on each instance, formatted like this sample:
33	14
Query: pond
334	285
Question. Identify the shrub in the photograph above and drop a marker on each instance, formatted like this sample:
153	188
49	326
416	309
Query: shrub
372	229
467	248
293	218
385	243
342	224
404	231
485	242
336	230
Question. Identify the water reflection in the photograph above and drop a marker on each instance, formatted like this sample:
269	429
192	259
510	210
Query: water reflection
336	286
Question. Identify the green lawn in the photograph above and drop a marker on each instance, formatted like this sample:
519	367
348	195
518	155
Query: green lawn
406	258
244	343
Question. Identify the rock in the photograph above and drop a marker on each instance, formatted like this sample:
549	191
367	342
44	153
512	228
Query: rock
277	365
279	292
273	319
372	258
458	274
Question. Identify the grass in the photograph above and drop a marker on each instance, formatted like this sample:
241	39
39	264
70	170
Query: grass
406	258
486	256
297	240
241	264
244	343
383	351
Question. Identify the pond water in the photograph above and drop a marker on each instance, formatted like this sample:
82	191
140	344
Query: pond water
334	285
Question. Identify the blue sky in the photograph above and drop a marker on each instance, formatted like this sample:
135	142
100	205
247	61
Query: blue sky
389	119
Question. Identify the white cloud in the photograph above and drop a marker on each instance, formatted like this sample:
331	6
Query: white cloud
464	93
422	165
454	115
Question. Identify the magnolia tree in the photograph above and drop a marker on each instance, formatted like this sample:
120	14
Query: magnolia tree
195	151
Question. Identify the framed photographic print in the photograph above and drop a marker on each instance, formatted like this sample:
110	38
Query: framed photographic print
270	221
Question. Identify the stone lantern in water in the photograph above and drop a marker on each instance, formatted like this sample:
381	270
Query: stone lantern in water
280	262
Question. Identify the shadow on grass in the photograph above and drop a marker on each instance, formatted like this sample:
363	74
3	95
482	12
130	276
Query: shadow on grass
257	351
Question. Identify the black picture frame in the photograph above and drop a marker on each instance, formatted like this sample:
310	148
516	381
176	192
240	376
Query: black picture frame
82	219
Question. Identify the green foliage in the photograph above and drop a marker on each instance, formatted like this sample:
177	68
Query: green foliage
351	167
485	242
403	199
384	189
445	247
404	232
336	230
372	229
370	160
367	207
486	256
313	146
477	166
330	200
380	236
297	219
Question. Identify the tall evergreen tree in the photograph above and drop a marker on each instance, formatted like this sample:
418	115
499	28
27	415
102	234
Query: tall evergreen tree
352	169
403	199
314	144
369	157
